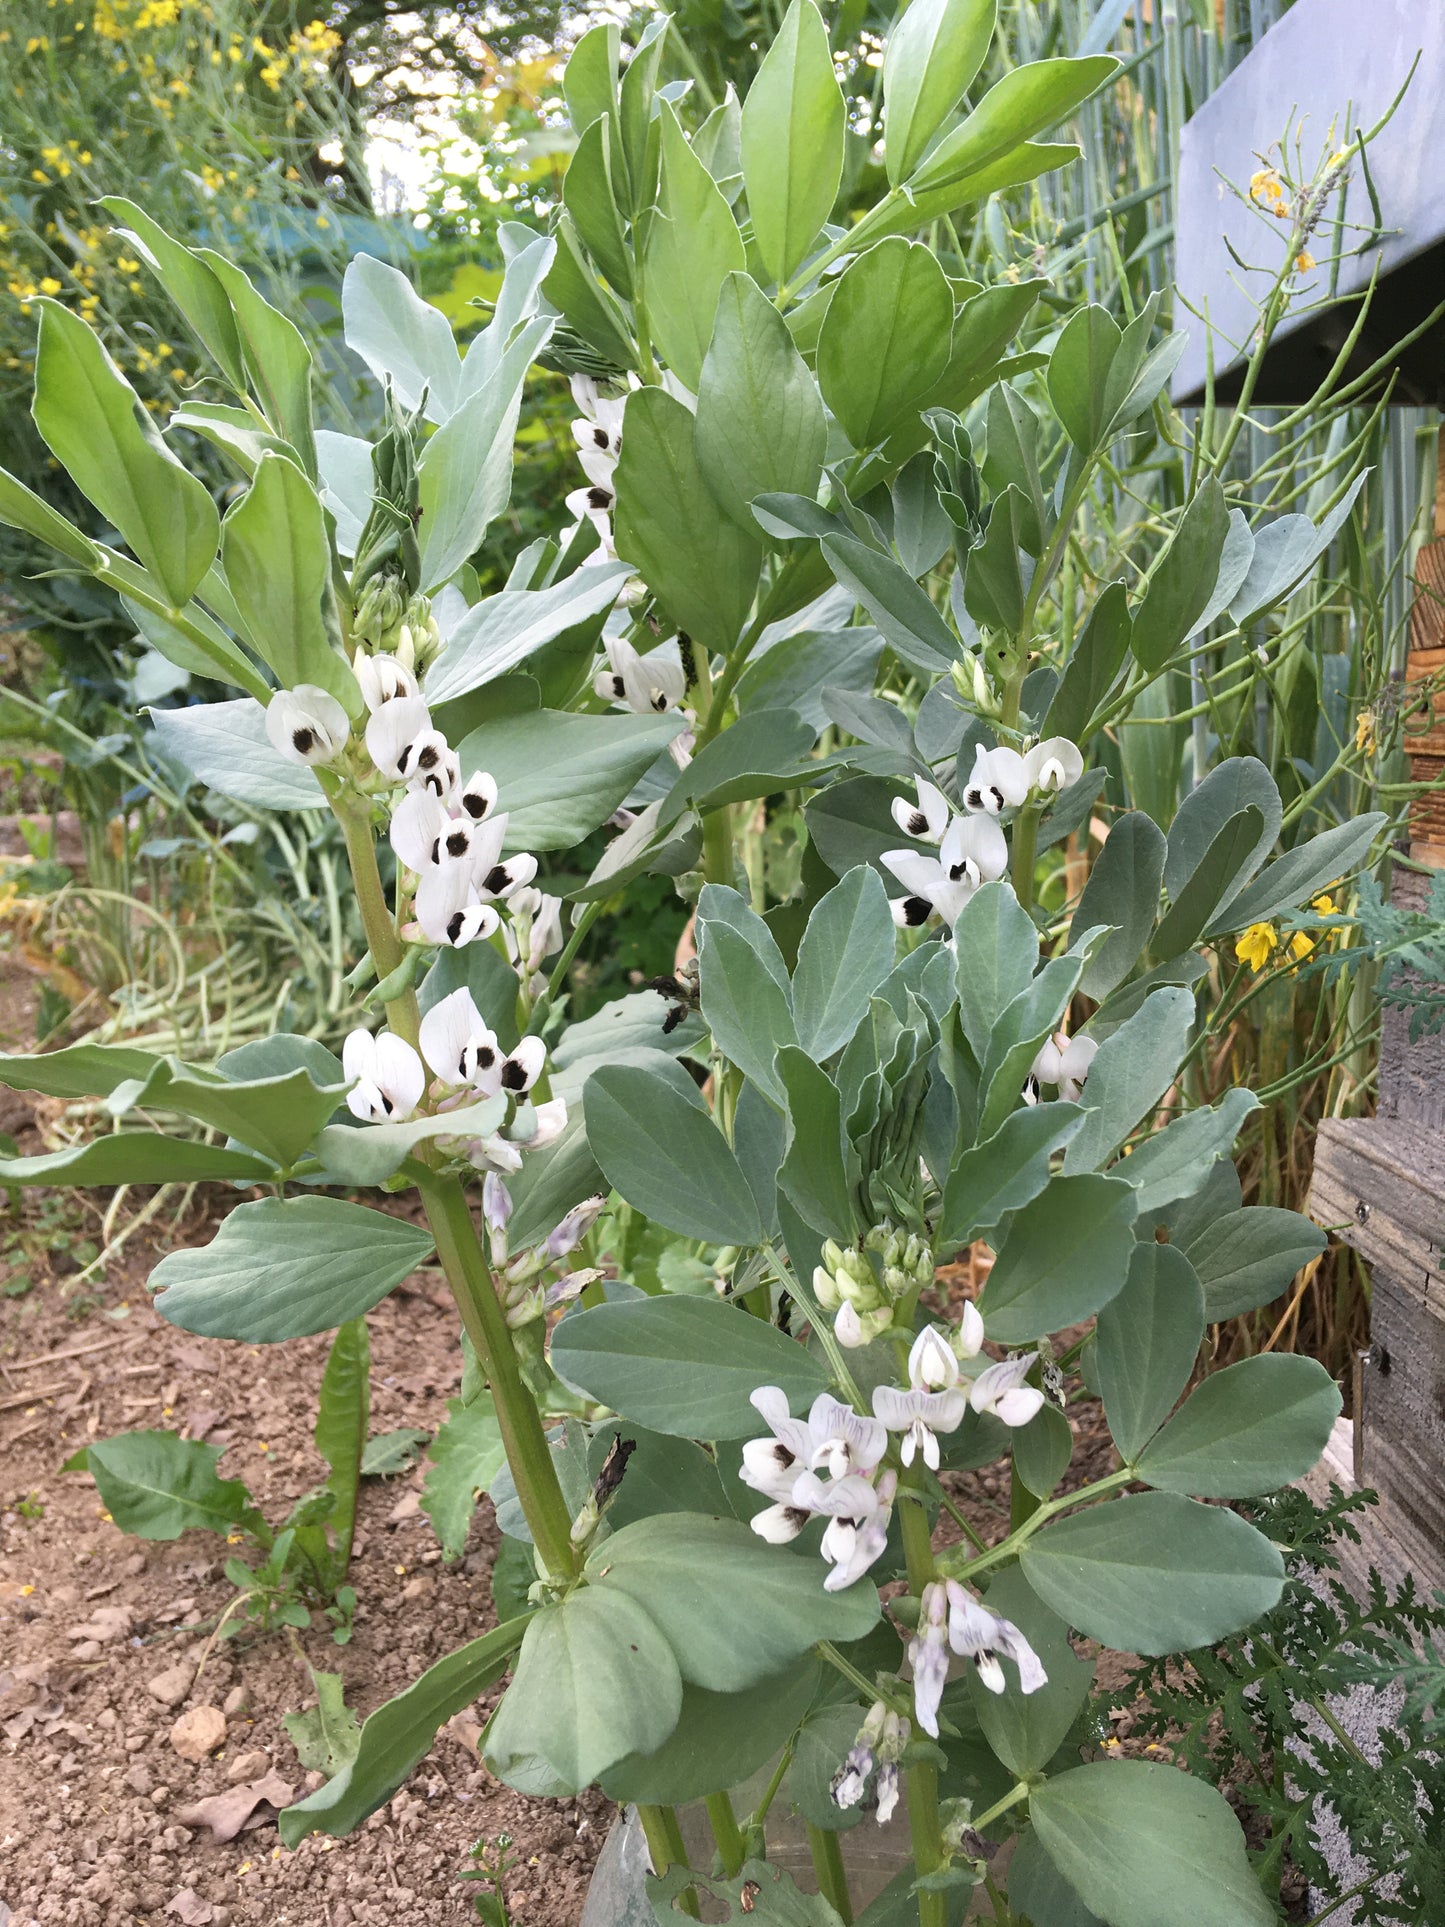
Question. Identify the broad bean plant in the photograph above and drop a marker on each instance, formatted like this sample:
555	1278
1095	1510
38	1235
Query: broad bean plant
810	569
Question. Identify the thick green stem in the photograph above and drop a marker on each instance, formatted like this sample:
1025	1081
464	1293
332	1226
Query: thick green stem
458	1247
732	1848
1024	857
921	1777
827	1855
664	1845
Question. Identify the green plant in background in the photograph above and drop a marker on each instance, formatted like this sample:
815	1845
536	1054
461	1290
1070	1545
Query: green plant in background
1256	1714
159	1485
705	1475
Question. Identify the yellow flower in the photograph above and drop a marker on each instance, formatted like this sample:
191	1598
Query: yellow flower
1325	906
38	45
1300	945
49	285
1257	945
1304	261
1266	189
1366	741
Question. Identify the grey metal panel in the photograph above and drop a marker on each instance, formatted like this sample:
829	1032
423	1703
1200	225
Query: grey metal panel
1324	59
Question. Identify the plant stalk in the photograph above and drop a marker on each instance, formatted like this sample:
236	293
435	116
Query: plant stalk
462	1258
921	1778
832	1876
665	1849
732	1848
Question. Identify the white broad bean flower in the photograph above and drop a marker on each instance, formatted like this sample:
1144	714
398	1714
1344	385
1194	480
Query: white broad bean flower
984	1637
999	1390
383	678
972	851
449	909
856	1502
878	1747
647	685
388	1077
968	1338
457	1042
933	1402
929	819
928	1656
537	1125
856	1536
999	782
306	724
404	746
1054	764
1064	1062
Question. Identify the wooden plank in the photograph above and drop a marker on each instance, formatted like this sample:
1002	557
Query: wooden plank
1427	618
1379	1185
1412	1071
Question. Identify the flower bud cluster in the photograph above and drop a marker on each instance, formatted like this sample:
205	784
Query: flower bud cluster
878	1748
861	1288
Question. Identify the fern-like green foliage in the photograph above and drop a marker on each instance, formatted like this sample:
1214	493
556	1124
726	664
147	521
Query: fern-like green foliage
1409	946
1254	1713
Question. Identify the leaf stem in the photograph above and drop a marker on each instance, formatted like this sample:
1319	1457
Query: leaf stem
827	1855
1050	1509
458	1247
665	1848
732	1848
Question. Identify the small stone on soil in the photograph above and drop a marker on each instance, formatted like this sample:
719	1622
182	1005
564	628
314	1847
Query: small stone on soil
199	1732
171	1686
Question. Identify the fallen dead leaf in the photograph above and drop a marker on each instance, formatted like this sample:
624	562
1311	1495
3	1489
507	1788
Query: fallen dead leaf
190	1909
226	1813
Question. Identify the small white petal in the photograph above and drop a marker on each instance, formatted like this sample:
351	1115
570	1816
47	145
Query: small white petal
306	725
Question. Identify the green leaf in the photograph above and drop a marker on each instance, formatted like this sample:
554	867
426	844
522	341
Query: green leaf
464	476
662	501
1147	1341
1039	1892
1062	1258
1173	1163
795	672
744	1006
1234	785
21	508
1283	552
792	140
327	1735
814	1172
983	152
1124	1833
1246	1258
1026	1731
136	1157
1216	879
1251	1428
953	187
997	948
276	357
1154	1573
465	1456
884	340
80	1070
684	1366
1131	1071
589	80
846	952
998	572
1093	669
903	611
342	1419
767	1894
759	423
733	1609
1012	461
397	1735
584	304
664	1474
765	751
933	53
720	1739
590	197
277	1116
692	244
561	775
225	746
401	337
201	647
1182	585
191	285
158	1485
1078	375
1005	1173
278	565
387	1453
666	1156
92	422
372	1153
1042	1450
595	1681
502	631
1294	878
1122	890
285	1268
